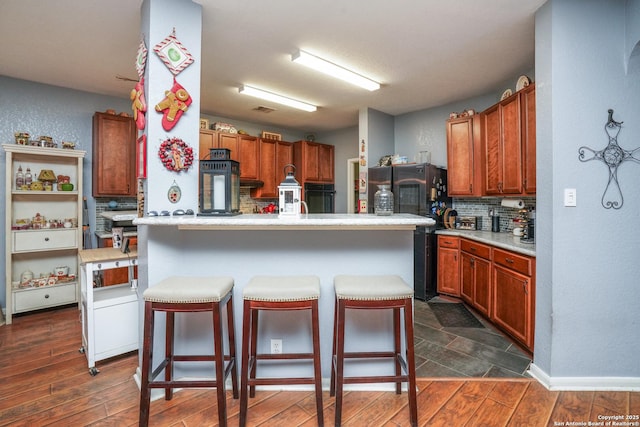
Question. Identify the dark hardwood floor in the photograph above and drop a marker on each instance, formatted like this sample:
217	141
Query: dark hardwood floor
44	380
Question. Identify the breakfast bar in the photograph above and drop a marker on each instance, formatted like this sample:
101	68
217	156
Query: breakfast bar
245	246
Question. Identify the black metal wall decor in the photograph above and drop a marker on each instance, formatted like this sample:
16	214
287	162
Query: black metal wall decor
612	156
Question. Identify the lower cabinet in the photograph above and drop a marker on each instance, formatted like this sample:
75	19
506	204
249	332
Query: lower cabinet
475	275
117	276
514	295
449	265
499	284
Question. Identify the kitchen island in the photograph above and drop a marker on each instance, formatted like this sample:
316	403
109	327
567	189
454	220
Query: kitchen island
244	246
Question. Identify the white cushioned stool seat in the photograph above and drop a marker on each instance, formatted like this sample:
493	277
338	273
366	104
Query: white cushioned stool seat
367	288
183	289
282	288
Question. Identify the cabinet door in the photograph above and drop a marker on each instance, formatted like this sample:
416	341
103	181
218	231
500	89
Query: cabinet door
249	156
491	134
462	164
310	161
284	157
117	276
448	265
512	304
467	278
482	286
207	141
114	155
528	108
229	141
325	162
511	150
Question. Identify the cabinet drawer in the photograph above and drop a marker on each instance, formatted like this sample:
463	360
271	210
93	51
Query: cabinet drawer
42	240
448	242
477	249
519	263
34	299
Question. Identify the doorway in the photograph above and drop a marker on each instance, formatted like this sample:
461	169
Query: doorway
353	172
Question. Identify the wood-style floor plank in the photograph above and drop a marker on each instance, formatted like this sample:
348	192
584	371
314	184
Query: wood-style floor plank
44	381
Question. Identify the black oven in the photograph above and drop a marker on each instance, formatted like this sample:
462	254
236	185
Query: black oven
320	198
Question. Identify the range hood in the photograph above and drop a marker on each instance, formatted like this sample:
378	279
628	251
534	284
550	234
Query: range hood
251	183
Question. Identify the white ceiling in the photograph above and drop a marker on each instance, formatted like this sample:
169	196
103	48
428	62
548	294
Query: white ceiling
425	53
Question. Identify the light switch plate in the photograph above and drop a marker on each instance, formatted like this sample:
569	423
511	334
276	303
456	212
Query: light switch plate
570	197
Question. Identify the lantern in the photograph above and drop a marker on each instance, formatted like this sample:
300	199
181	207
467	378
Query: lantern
219	184
289	192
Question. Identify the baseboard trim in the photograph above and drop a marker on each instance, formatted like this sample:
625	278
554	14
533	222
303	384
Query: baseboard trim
584	383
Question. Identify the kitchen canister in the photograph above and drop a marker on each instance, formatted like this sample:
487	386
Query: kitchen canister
383	200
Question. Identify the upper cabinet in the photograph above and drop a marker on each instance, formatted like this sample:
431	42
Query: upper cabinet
244	149
508	130
494	153
528	126
464	154
314	162
114	156
274	156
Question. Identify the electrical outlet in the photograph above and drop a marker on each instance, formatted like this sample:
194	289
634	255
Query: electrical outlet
276	346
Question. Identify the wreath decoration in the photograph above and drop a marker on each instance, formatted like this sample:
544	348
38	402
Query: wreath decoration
175	154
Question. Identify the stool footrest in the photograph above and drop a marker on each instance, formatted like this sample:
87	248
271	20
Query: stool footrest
281	381
184	383
370	355
375	379
284	356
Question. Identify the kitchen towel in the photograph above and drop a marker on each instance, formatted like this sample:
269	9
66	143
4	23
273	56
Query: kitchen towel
513	203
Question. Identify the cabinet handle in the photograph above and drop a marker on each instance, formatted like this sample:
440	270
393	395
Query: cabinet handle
509	260
46	296
472	249
472	261
46	239
525	287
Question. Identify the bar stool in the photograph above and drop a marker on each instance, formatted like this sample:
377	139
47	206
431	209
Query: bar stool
188	295
280	293
374	293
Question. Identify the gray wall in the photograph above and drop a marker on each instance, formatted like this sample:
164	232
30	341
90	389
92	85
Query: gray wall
587	313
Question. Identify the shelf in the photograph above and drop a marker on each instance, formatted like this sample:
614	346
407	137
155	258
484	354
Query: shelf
35	288
112	295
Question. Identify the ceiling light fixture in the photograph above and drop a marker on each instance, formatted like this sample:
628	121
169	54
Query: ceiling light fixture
270	96
324	66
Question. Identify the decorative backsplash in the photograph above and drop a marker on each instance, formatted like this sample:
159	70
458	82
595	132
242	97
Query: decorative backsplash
480	207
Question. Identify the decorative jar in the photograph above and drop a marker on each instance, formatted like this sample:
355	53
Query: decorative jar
383	200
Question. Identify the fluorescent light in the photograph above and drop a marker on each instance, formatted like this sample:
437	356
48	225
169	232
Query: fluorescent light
319	64
269	96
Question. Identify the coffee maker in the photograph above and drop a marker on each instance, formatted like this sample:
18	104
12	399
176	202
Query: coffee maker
528	235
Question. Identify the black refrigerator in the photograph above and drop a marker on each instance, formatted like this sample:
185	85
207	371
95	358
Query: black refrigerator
420	189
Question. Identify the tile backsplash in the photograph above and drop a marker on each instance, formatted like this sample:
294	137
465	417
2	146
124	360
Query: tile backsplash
480	207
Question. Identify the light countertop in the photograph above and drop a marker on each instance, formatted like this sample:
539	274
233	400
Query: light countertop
501	240
273	222
119	215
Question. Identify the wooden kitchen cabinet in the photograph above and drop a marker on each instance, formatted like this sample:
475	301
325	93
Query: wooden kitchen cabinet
114	155
528	124
117	276
475	275
464	157
249	157
209	139
503	147
513	295
449	265
274	156
314	162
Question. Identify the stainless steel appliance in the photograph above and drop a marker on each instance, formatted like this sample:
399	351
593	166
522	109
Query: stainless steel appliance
320	198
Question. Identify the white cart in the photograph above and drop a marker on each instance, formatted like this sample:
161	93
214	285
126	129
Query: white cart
110	313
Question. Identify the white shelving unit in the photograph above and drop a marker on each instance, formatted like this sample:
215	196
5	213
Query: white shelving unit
41	250
110	313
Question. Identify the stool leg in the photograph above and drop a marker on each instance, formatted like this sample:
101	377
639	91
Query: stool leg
253	352
332	385
340	320
232	347
244	370
411	362
147	351
219	362
315	326
168	370
397	346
